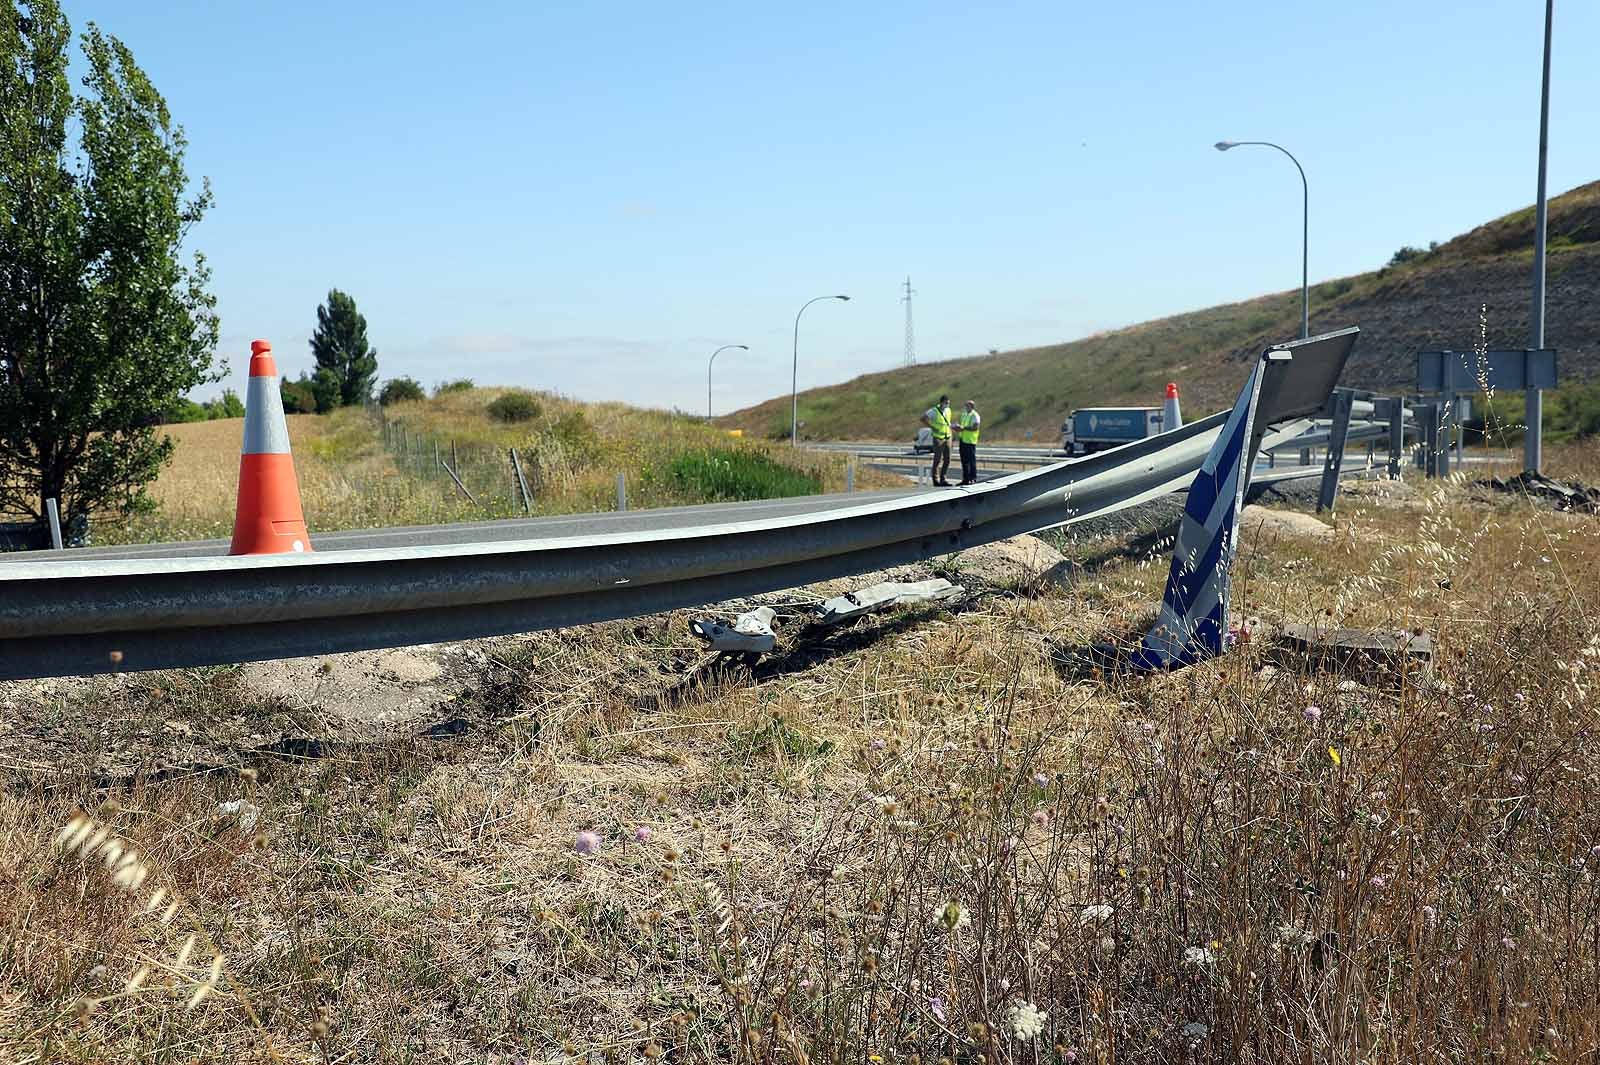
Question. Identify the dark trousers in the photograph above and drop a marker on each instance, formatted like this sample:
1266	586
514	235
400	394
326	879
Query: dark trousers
969	462
941	460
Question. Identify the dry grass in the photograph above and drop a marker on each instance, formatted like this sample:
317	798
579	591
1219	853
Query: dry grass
353	476
894	843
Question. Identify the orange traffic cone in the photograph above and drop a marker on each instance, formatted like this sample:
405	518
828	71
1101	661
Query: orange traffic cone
1171	416
269	520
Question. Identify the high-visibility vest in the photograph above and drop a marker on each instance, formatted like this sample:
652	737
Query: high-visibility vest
969	427
940	421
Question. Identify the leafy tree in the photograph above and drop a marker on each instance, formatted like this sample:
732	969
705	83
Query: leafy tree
297	396
444	388
346	364
228	406
400	390
102	326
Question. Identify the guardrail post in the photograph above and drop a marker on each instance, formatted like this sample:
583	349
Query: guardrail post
1447	433
522	483
55	523
1397	435
1338	433
622	491
1305	456
1430	439
850	475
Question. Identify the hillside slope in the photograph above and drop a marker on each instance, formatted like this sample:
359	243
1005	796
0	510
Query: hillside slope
1436	300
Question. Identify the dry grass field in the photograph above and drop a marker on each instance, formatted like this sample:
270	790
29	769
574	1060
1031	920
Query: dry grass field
353	474
938	836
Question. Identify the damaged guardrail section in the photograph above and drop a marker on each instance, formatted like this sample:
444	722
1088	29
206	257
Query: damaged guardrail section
99	616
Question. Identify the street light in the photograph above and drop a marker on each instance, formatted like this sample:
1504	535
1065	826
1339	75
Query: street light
794	378
1305	227
1533	399
714	355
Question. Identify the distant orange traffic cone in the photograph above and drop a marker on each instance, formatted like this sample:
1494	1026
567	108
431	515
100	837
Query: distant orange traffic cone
1171	416
269	520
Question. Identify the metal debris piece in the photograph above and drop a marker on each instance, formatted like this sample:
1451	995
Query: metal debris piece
1561	495
751	632
883	596
1369	654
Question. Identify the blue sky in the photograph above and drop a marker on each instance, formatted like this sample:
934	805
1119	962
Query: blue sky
590	198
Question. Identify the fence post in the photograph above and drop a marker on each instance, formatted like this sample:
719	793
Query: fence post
453	476
455	463
622	491
55	523
437	461
522	484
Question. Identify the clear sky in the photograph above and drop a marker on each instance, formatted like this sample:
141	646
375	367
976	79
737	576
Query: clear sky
591	197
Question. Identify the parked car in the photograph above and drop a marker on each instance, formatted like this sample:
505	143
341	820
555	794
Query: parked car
923	444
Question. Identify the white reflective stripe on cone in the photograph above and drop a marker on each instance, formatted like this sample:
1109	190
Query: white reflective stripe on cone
265	430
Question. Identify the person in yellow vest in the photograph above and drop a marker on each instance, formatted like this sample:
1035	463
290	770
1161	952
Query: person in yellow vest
968	434
937	419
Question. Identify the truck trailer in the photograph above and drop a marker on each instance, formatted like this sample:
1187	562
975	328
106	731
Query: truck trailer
1098	428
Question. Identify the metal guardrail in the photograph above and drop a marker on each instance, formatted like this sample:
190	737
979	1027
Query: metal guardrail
107	615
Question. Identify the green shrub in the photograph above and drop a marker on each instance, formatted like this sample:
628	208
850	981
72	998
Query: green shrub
462	384
727	474
184	410
297	396
400	390
229	406
515	407
1010	412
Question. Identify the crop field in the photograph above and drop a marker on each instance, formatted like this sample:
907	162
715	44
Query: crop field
942	835
357	473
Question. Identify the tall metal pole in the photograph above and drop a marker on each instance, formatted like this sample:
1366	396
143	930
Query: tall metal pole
794	373
713	359
1305	228
1533	401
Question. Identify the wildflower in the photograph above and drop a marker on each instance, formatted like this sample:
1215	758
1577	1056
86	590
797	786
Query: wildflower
878	745
642	833
1041	818
1333	755
1194	1031
1378	882
1508	943
1200	957
1027	1020
1313	714
1041	780
952	915
805	985
587	843
1100	911
936	1007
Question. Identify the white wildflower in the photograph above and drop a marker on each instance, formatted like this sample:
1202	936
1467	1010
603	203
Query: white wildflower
1027	1020
1201	957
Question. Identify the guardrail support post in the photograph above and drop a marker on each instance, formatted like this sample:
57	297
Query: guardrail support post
1430	439
1338	433
1397	435
850	475
1447	433
55	523
622	491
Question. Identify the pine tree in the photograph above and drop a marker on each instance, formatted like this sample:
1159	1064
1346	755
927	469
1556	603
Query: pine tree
346	365
102	327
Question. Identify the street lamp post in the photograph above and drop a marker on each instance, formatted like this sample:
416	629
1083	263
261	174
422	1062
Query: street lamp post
1305	228
1533	399
713	359
794	373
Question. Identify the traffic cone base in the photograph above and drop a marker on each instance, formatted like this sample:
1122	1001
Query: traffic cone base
268	520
